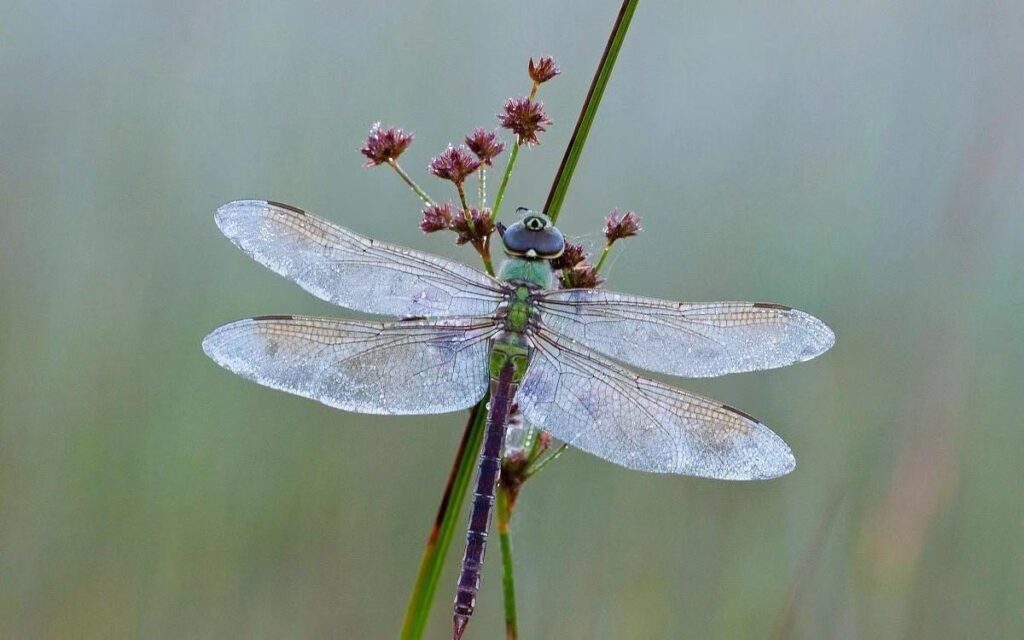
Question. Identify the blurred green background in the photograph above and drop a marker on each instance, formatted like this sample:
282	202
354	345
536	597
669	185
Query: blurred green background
860	161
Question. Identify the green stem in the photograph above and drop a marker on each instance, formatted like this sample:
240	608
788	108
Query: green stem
440	539
485	255
534	470
504	180
483	187
579	135
465	206
604	254
508	581
466	213
409	181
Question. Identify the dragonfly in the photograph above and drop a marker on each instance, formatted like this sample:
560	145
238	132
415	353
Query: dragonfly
458	333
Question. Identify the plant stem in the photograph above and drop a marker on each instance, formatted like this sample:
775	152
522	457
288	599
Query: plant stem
468	215
534	470
439	541
483	187
604	254
409	181
504	180
465	207
508	581
579	135
485	255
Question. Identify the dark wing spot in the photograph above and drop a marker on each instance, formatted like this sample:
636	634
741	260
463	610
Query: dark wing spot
261	318
742	413
771	305
286	206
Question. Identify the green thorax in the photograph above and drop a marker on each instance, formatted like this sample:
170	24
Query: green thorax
518	309
528	275
535	272
510	345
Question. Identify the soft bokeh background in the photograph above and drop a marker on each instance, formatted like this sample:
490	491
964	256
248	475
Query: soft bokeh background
861	161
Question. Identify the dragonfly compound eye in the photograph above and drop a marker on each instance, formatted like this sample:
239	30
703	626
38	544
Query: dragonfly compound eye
533	237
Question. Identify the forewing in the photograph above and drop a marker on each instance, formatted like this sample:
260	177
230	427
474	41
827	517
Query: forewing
353	271
588	401
691	340
409	367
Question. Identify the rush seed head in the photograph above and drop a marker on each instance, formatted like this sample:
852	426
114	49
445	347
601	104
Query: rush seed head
573	255
485	144
618	225
482	226
437	217
454	163
543	70
583	276
383	145
525	118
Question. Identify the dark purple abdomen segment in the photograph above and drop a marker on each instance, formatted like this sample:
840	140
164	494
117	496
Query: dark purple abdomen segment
502	391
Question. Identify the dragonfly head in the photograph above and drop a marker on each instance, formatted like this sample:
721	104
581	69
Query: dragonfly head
533	237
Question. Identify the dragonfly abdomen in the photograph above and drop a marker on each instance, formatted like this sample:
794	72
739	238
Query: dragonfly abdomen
503	389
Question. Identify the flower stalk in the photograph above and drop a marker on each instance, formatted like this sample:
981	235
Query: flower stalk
500	195
409	181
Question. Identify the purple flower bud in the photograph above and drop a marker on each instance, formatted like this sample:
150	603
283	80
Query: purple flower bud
454	163
482	227
525	118
583	276
544	69
571	256
437	217
485	144
617	226
383	145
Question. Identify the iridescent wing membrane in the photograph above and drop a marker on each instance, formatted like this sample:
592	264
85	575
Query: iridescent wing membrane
353	271
406	367
589	402
690	340
584	399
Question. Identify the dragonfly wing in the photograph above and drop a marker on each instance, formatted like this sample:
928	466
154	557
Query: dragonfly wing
590	402
408	367
691	340
353	271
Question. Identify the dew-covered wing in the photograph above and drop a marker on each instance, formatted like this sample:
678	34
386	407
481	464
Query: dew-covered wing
691	340
353	271
408	367
590	402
